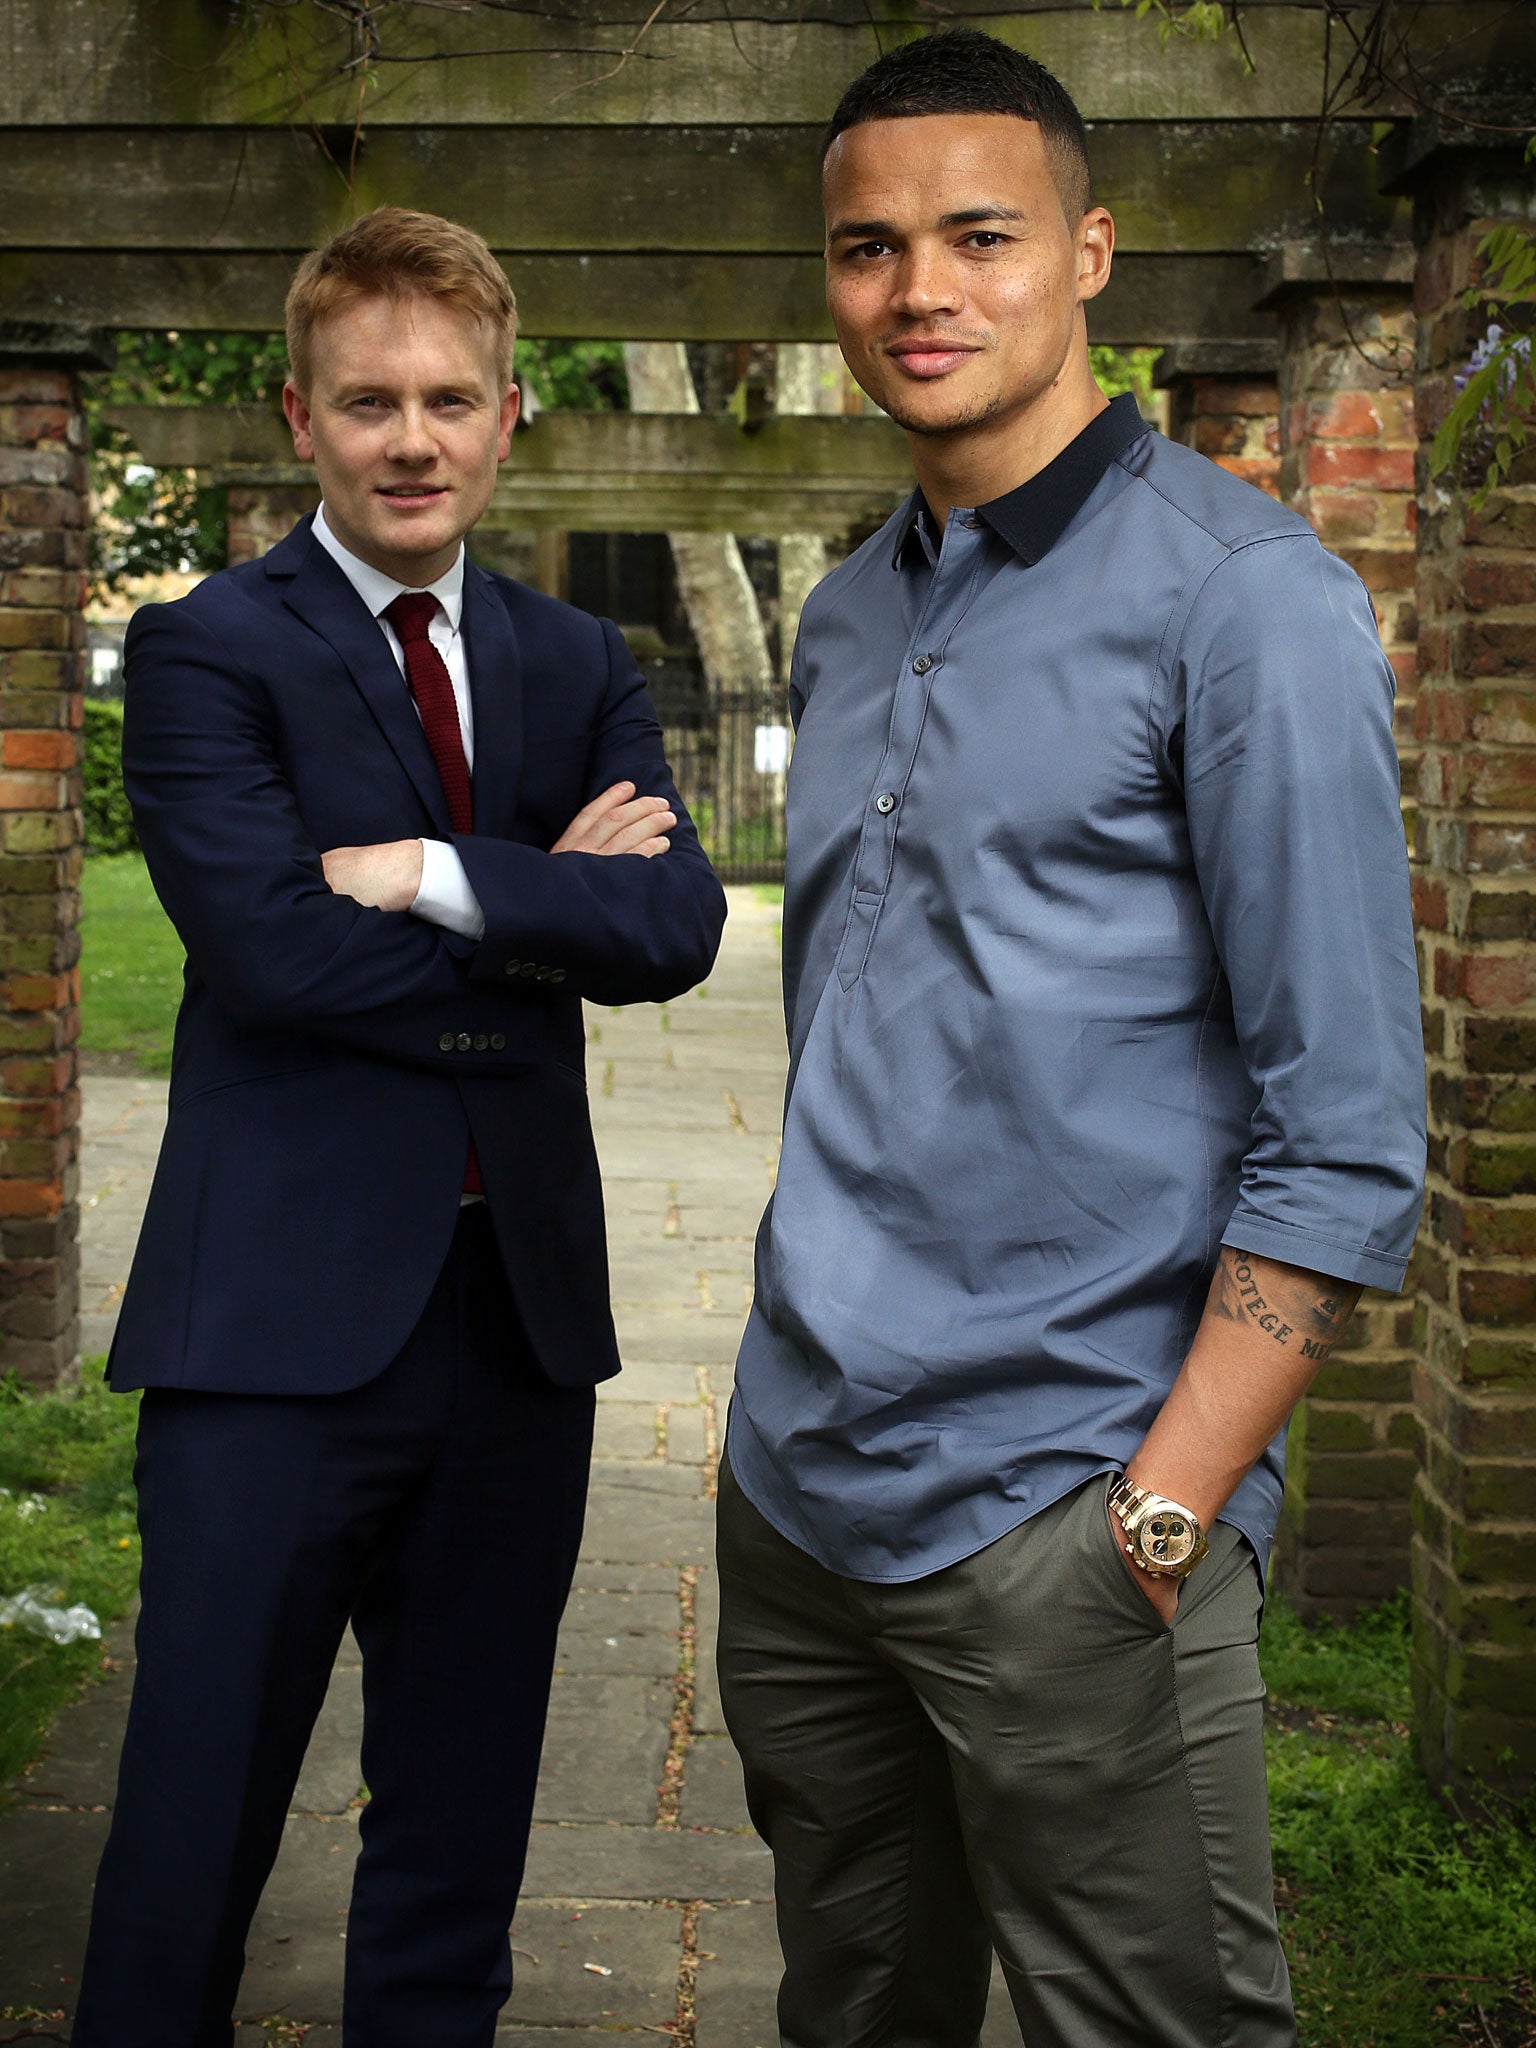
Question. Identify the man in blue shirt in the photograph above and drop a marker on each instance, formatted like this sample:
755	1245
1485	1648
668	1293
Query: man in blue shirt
1105	1099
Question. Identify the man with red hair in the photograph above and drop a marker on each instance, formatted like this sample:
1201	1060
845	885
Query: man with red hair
404	816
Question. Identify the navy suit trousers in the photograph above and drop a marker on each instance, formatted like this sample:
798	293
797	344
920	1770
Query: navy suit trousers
439	1509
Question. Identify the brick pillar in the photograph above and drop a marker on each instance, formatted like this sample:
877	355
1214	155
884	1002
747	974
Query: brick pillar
261	513
1474	1547
43	543
1346	464
1223	400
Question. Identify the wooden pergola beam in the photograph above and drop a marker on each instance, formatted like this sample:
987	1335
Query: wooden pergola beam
104	62
599	472
1206	187
618	297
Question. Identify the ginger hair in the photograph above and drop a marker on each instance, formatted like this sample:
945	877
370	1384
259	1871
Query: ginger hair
396	254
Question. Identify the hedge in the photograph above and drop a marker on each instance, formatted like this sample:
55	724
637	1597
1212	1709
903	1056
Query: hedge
108	820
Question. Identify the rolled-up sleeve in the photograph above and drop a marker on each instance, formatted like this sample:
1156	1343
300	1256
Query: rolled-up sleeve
1292	795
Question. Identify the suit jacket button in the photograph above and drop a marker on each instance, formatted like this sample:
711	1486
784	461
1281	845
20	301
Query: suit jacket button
544	974
445	1043
464	1041
557	975
528	970
481	1041
498	1041
513	966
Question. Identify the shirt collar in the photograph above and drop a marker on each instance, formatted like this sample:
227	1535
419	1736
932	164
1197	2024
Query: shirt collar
378	590
1033	518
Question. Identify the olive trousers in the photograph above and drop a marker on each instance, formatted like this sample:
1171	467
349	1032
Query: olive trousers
1014	1753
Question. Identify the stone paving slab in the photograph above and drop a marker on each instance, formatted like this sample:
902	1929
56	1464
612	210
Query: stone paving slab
560	1948
48	1861
604	1751
612	1862
332	1776
632	1526
712	1788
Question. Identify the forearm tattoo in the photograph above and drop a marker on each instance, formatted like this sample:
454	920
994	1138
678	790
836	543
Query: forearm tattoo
1301	1311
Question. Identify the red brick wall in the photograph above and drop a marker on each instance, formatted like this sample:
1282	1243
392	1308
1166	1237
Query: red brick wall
1347	453
260	514
1235	420
43	540
1474	1551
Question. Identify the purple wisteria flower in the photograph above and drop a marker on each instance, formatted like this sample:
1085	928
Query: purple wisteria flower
1516	353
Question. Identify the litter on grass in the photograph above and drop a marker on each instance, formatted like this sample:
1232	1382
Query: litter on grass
34	1610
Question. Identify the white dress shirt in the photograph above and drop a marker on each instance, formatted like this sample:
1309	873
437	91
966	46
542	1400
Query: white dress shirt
445	896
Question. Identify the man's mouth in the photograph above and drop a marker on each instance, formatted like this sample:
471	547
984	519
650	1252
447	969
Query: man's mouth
412	494
930	355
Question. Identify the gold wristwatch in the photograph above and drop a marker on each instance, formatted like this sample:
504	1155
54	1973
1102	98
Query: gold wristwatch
1162	1538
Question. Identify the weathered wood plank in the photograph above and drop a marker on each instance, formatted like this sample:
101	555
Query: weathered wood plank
1150	299
1173	186
787	448
599	472
87	62
539	502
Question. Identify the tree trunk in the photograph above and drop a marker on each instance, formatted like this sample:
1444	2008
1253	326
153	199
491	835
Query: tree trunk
716	591
809	379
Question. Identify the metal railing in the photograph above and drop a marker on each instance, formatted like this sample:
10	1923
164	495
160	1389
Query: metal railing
729	751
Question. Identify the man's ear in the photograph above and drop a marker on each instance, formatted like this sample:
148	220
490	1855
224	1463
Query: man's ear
511	404
1095	241
296	412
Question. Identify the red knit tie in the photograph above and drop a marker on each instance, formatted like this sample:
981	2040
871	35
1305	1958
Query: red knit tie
411	613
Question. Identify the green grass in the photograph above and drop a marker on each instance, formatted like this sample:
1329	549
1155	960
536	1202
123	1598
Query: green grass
130	965
1405	1926
66	1521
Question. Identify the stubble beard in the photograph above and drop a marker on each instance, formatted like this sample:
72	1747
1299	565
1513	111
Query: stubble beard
976	414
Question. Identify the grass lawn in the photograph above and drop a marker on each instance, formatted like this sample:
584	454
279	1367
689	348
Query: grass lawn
66	1522
130	965
1405	1927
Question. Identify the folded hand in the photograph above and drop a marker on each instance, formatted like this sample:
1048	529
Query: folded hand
618	821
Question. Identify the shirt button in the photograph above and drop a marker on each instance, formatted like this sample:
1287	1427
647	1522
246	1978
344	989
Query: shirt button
445	1043
923	663
885	803
481	1041
464	1041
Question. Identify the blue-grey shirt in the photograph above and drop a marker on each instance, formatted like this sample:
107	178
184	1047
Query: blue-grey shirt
1097	955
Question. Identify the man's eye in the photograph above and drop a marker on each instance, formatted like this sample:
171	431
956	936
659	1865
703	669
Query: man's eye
986	238
863	252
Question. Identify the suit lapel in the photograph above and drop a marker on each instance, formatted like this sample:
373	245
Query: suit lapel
496	693
327	603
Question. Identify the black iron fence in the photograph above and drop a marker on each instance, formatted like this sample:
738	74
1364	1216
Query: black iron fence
729	751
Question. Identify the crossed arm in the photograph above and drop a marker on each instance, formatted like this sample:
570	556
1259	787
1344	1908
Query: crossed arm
1267	1329
387	877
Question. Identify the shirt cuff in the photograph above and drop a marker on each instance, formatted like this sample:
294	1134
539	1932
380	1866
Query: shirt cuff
445	897
1362	1266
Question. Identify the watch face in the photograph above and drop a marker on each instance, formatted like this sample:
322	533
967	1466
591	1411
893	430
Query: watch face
1166	1538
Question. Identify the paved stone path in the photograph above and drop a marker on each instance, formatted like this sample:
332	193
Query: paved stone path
647	1905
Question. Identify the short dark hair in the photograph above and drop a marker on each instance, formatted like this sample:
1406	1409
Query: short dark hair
963	71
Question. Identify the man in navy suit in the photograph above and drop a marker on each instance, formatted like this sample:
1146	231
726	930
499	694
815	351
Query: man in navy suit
404	815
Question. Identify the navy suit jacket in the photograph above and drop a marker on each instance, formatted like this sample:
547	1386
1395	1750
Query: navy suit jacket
332	1061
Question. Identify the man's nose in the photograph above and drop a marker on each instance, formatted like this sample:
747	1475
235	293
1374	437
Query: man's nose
413	439
928	282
